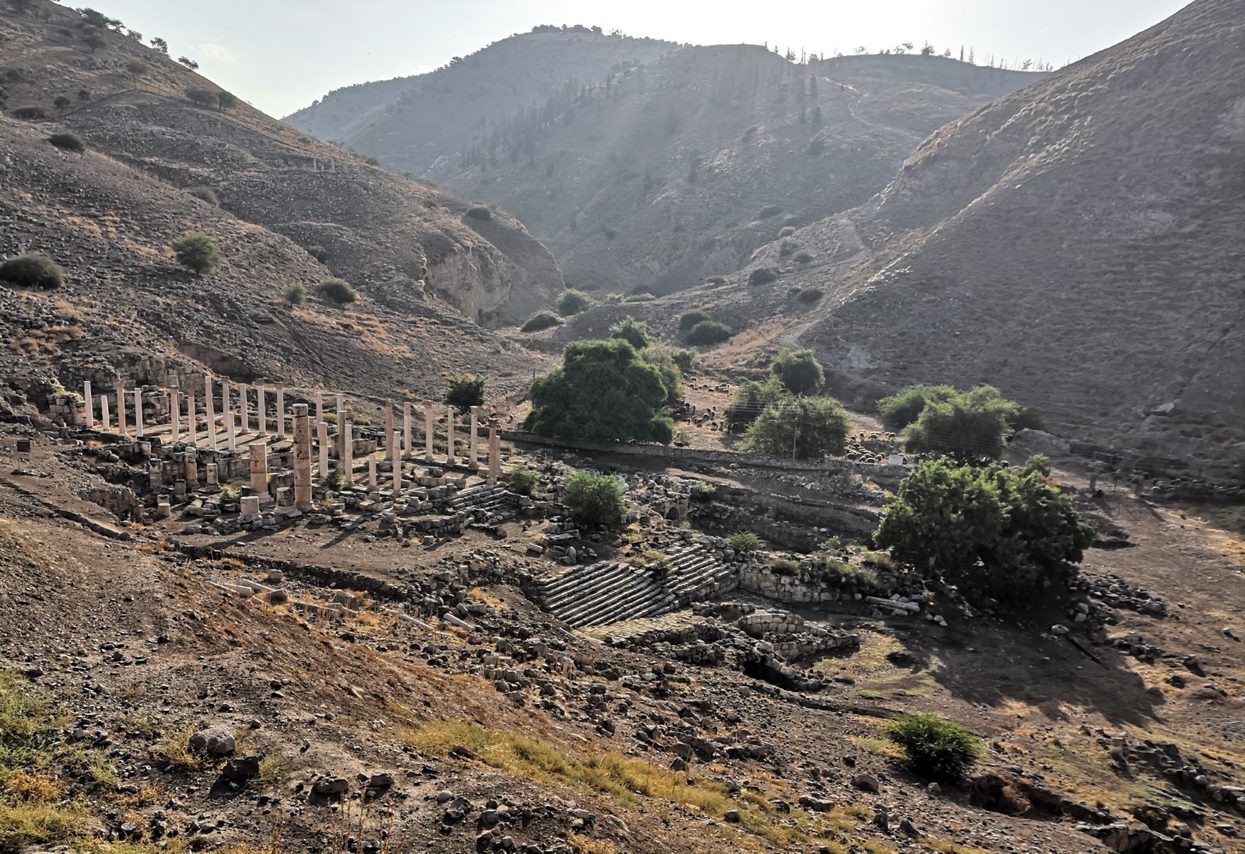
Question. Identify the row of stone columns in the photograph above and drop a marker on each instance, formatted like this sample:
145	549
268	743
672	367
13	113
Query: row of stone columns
394	443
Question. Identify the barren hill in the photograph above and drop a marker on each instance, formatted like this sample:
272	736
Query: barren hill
292	211
655	172
1076	244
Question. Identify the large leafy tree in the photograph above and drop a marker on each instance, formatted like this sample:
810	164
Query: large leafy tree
603	392
993	531
800	427
975	423
799	371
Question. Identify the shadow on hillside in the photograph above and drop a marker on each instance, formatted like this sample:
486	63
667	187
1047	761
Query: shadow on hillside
994	665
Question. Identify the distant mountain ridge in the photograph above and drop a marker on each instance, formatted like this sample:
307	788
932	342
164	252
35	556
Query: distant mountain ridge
646	165
292	212
1077	244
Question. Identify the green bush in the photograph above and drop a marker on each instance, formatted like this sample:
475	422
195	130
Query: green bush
135	66
750	400
690	319
465	391
522	480
572	302
30	113
707	333
295	294
808	296
640	296
901	409
335	480
595	499
68	142
935	746
32	270
202	97
603	392
226	100
634	332
801	427
995	532
745	542
479	212
615	299
684	359
799	371
197	252
205	194
338	292
769	211
541	320
972	424
662	358
762	276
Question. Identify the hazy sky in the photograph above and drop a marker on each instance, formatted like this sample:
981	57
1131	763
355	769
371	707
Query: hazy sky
282	54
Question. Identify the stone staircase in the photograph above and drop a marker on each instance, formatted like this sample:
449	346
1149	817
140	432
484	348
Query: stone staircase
602	593
494	503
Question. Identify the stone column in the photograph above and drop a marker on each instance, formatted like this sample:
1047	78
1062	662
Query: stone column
449	436
175	415
339	407
347	454
473	446
494	451
210	474
261	402
406	427
244	415
103	413
192	468
259	469
192	418
302	457
280	413
90	403
388	426
121	409
138	412
319	406
209	405
322	437
226	405
371	473
395	459
428	431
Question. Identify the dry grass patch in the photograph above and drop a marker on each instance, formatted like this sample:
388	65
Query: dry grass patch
624	779
174	749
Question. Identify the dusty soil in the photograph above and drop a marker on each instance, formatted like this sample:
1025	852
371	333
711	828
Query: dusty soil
132	639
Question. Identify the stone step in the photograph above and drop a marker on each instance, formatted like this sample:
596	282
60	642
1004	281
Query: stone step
571	578
620	603
583	585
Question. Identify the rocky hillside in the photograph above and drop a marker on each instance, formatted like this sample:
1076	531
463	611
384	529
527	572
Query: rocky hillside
1076	244
292	212
658	166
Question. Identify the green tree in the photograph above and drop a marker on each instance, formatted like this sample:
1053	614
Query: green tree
202	97
295	294
197	252
464	391
571	302
595	499
1005	533
663	359
799	427
976	423
901	409
799	371
750	400
634	332
226	100
603	392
